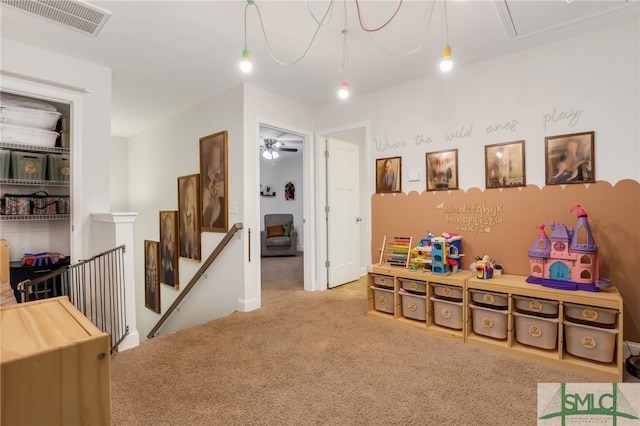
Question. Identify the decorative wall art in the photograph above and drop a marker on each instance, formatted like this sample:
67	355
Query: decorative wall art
442	170
290	190
169	248
189	216
504	165
213	176
570	158
389	175
151	279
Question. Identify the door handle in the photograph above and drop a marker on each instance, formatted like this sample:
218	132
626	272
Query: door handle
358	219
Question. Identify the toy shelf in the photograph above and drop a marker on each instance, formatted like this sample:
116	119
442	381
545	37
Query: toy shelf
387	282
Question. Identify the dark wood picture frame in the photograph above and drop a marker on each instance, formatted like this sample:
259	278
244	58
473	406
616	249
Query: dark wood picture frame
189	208
504	165
213	176
442	170
151	276
388	175
169	248
570	158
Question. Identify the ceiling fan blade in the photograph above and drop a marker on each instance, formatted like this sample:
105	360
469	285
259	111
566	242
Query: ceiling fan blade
288	149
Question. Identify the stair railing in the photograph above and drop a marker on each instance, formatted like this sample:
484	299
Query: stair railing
212	257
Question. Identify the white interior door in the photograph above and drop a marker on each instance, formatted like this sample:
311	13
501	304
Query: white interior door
343	213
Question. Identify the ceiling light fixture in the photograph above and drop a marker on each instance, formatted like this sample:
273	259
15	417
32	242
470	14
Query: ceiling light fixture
245	64
270	154
446	63
343	93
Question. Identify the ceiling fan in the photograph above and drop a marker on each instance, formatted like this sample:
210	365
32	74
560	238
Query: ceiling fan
272	146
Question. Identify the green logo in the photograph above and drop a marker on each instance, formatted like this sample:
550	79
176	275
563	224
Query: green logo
592	404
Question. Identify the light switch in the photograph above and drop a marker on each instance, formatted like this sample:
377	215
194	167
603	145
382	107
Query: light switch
415	175
233	207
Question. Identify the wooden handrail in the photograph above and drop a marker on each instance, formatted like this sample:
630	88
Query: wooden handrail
235	228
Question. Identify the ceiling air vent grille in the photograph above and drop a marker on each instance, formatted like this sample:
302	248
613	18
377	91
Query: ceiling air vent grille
71	13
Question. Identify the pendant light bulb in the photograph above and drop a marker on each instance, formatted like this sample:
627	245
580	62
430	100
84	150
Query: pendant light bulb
446	63
245	65
344	90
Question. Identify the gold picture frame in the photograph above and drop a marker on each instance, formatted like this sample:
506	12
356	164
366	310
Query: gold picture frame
388	175
442	170
213	176
169	248
189	208
570	158
504	165
151	276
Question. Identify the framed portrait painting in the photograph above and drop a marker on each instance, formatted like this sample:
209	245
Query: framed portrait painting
570	158
189	216
504	165
442	170
169	248
213	176
388	175
151	279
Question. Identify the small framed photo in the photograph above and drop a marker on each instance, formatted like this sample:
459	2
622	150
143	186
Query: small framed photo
290	190
151	279
504	165
442	170
388	175
189	216
213	176
169	248
570	158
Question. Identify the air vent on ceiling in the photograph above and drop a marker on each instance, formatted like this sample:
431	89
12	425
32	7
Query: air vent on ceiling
75	14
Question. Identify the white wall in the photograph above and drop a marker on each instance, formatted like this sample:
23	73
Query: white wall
93	189
540	90
277	174
119	174
157	157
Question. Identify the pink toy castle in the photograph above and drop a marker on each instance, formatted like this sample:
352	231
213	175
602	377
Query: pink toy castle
568	259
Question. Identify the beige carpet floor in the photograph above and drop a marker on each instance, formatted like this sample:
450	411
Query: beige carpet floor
314	358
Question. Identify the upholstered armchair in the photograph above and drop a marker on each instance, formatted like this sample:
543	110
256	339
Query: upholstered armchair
278	238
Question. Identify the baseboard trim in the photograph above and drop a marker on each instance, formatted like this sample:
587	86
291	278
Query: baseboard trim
248	305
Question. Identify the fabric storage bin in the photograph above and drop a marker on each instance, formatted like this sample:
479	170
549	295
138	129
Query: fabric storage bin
536	331
383	299
16	204
489	322
537	307
27	135
43	204
489	299
5	161
28	112
414	306
28	165
58	167
590	315
418	287
590	342
382	281
447	292
447	313
63	206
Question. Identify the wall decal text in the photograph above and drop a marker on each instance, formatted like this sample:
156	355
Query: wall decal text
462	133
388	144
554	116
421	140
509	125
476	217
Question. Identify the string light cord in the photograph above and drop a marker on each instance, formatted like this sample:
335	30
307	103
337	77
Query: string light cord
306	2
380	27
411	51
446	22
266	38
345	46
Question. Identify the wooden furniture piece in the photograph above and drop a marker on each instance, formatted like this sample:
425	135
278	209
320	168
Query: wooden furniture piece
393	279
54	366
513	286
385	303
